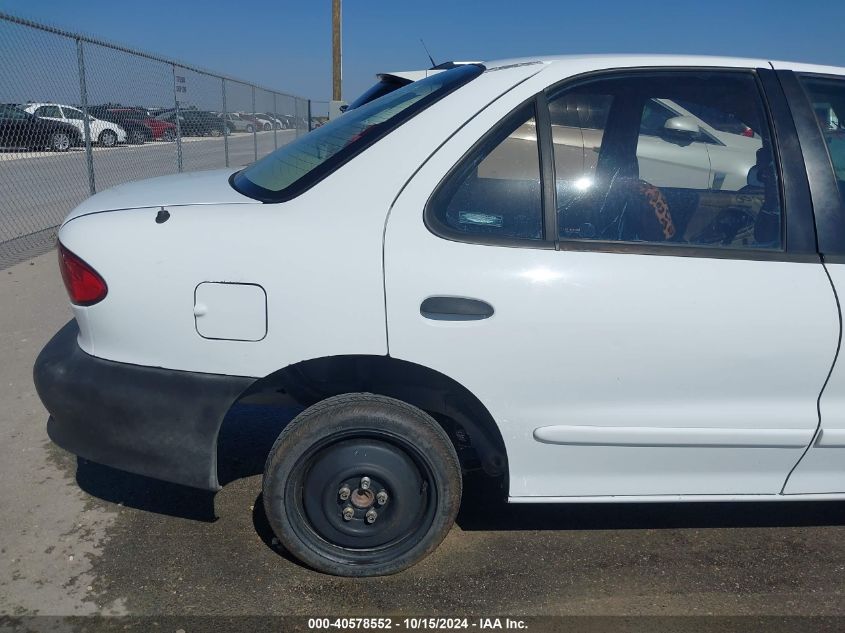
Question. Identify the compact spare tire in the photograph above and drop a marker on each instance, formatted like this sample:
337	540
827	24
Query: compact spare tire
362	485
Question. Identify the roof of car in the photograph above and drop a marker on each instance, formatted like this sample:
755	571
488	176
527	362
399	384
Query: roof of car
620	60
38	104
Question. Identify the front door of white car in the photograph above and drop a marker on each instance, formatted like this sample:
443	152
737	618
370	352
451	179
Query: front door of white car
659	342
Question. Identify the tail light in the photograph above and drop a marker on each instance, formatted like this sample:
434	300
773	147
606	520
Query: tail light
83	283
748	132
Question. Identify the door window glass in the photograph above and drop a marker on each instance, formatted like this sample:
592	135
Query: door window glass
50	111
678	158
72	113
828	99
495	192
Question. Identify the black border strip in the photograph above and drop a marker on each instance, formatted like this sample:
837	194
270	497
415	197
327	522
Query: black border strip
828	206
800	228
547	167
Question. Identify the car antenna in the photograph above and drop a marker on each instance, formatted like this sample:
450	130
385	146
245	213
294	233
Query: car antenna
430	58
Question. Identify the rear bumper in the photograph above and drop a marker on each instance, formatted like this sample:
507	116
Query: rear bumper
156	422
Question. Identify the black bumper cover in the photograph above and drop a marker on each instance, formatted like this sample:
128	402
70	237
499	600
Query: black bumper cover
156	422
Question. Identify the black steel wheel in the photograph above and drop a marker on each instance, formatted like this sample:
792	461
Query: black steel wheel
362	485
168	136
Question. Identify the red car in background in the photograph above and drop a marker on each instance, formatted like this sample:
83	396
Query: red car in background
159	130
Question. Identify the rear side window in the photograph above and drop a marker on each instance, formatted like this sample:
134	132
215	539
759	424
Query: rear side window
655	171
293	168
828	99
49	111
495	192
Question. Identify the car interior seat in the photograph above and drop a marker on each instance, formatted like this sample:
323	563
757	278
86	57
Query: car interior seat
761	179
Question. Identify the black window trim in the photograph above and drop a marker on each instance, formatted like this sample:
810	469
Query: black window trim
828	206
339	159
797	230
545	141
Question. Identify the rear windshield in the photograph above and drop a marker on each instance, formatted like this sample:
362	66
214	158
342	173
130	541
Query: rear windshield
293	168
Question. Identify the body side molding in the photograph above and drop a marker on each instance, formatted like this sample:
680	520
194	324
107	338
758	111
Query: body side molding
709	437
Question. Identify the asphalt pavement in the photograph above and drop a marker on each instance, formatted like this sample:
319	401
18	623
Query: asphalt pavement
77	538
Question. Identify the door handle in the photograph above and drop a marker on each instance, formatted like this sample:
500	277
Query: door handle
455	309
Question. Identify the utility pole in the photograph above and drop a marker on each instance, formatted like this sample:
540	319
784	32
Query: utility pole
336	52
337	62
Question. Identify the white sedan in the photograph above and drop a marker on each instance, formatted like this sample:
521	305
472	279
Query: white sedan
104	133
441	292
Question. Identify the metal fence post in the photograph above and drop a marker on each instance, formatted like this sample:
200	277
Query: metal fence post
275	116
178	124
309	115
254	126
225	124
86	125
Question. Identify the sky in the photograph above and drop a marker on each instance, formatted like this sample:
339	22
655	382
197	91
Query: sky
287	45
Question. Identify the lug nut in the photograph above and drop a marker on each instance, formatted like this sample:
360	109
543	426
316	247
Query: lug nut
381	497
365	483
344	493
348	513
371	516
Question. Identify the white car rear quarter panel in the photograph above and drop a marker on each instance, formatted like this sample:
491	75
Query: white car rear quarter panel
318	256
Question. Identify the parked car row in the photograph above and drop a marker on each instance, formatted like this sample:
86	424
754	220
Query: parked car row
19	128
260	121
104	133
59	127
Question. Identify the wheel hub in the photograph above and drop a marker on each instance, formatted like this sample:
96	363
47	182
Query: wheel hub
364	493
362	498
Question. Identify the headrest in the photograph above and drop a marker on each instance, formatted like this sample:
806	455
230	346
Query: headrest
758	174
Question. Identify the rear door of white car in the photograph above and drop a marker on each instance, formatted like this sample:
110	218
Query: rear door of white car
629	339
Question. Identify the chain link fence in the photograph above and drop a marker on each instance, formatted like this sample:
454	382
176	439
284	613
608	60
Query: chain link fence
319	113
79	115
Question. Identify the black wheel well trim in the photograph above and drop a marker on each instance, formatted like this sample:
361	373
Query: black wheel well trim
448	401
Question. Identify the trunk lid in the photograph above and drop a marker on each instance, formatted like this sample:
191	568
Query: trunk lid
197	188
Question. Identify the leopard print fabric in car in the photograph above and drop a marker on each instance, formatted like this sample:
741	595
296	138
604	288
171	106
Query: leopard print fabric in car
655	199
